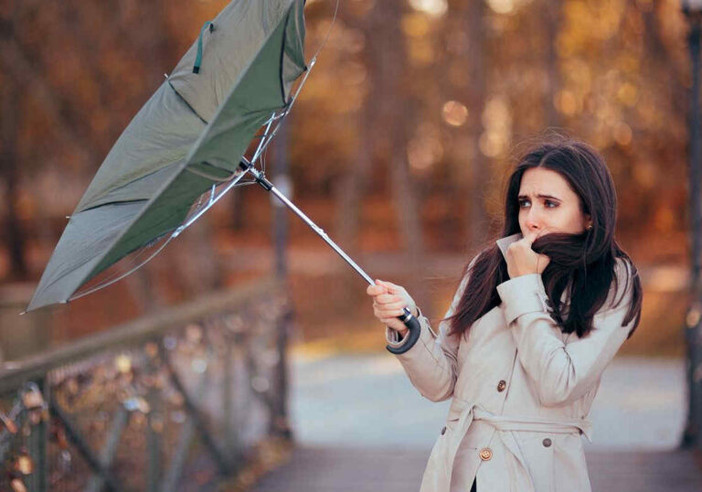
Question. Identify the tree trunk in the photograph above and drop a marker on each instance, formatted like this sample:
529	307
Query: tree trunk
473	19
395	119
352	189
353	186
552	21
14	235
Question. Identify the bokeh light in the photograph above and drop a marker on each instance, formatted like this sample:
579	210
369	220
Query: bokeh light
454	113
501	6
435	8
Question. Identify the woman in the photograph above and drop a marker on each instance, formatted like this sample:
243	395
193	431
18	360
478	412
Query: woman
532	326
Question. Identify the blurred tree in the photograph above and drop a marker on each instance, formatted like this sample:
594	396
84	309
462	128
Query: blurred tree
472	18
551	20
352	186
396	116
12	229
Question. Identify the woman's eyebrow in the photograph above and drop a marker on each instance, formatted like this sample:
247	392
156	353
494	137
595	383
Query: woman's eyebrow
540	195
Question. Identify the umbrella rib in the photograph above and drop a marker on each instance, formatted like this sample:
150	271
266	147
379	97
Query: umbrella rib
262	143
289	104
268	136
185	101
282	59
213	199
268	133
117	279
331	24
211	177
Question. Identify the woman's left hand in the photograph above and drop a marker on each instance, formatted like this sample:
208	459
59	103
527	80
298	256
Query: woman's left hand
522	260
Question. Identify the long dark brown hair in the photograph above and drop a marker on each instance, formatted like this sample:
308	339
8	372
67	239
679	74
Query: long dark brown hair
584	261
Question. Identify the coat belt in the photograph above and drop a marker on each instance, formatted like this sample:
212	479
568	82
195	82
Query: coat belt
533	424
520	477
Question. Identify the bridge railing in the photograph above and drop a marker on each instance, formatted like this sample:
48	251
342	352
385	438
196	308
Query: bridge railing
171	401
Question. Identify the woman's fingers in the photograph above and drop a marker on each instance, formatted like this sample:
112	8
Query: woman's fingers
391	288
394	288
387	298
374	290
387	313
388	285
390	306
395	304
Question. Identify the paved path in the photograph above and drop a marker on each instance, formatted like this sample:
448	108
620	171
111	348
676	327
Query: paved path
340	407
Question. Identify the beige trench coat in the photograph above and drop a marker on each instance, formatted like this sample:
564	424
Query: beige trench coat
521	389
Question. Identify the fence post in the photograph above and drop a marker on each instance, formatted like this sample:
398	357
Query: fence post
279	425
37	444
154	421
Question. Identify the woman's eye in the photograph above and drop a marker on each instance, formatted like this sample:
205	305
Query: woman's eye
547	203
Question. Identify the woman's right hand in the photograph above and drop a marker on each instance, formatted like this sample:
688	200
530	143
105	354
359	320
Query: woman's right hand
388	302
522	260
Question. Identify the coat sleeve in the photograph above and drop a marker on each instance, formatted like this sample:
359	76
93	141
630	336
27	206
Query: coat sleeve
563	372
432	362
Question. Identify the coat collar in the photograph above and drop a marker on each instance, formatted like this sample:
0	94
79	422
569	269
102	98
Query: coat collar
504	242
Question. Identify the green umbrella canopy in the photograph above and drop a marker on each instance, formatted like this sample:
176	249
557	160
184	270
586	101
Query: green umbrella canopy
189	136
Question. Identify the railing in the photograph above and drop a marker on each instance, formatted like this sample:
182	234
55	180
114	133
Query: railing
172	401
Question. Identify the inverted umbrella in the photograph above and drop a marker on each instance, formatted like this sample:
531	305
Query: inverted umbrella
186	147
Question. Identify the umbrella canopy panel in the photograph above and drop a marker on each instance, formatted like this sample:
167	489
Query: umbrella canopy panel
207	90
189	137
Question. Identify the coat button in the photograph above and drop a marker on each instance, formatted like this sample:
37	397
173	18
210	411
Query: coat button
501	385
547	442
485	454
443	431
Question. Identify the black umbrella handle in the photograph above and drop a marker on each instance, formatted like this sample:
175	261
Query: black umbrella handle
412	324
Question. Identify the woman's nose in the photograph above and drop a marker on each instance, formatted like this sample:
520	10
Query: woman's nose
533	220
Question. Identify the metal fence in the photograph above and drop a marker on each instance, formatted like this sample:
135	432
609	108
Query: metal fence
172	401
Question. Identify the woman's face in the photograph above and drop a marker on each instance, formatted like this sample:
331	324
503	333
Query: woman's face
547	204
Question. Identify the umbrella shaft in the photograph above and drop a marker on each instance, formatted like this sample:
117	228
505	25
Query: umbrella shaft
261	179
411	322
